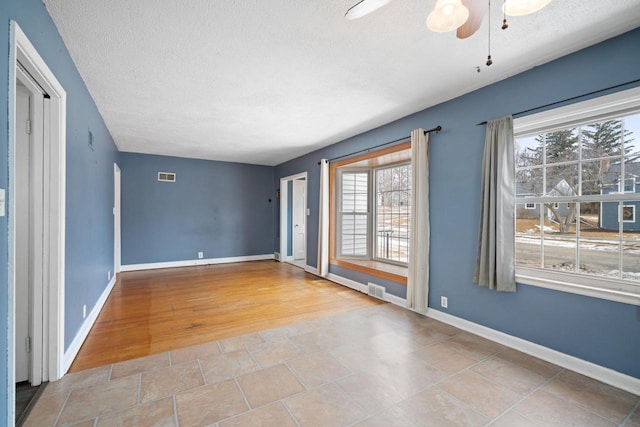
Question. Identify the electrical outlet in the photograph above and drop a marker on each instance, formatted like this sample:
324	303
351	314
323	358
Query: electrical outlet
444	303
109	275
200	255
84	311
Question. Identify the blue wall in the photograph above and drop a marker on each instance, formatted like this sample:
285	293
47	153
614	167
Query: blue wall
222	209
603	332
89	190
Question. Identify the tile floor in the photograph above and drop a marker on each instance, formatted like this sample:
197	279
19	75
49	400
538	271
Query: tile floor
378	366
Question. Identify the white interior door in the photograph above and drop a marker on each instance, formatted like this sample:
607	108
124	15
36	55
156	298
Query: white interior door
23	233
299	216
116	219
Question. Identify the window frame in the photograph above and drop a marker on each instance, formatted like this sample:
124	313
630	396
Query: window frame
374	209
395	154
606	107
340	213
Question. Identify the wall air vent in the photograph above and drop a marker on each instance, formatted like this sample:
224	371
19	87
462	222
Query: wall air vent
376	291
167	176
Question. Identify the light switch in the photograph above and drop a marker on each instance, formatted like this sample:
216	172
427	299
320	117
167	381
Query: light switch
1	202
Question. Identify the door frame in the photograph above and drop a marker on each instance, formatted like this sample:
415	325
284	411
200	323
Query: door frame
117	234
51	296
284	219
294	247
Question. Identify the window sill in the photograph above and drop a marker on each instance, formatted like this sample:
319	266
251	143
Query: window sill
598	287
391	272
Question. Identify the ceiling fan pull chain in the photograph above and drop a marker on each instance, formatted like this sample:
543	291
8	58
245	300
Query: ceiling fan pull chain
489	60
505	24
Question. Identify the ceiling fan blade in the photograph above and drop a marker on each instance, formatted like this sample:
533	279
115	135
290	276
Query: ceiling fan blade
477	10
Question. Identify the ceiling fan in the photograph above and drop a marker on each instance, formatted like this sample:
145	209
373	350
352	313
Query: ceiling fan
448	15
465	16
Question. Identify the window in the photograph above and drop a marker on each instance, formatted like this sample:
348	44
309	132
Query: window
529	205
393	212
628	213
354	214
371	211
574	160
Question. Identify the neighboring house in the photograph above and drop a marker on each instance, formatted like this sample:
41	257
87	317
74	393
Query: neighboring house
612	183
532	189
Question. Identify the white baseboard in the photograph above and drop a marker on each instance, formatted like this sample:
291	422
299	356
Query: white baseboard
589	369
74	348
312	270
192	262
347	282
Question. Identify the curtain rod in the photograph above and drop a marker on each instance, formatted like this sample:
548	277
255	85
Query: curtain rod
435	129
568	99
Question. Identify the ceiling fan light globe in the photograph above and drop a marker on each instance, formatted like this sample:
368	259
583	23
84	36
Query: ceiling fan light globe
523	7
447	16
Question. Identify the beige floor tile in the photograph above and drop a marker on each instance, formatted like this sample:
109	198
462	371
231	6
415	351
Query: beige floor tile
531	363
86	423
609	402
282	332
407	377
227	365
241	342
508	374
390	418
194	352
355	355
274	352
436	407
371	394
210	404
100	399
445	358
393	344
326	406
78	379
443	328
168	381
314	341
139	365
46	410
157	414
274	415
485	396
548	410
513	419
473	346
317	369
269	385
425	336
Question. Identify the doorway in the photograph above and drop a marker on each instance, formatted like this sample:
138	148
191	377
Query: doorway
293	219
35	209
116	220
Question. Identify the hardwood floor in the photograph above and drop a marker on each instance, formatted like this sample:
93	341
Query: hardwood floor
156	311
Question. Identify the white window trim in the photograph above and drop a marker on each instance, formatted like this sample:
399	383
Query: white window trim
622	185
530	205
606	107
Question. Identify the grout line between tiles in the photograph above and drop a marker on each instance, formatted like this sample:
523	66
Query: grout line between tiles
235	379
110	372
139	388
175	410
579	405
66	400
633	411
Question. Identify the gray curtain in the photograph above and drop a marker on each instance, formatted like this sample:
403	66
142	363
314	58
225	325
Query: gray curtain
418	279
495	264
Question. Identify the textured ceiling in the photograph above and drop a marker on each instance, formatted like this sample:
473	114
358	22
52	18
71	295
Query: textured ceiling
262	82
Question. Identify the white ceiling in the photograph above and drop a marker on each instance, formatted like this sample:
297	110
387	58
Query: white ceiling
264	81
